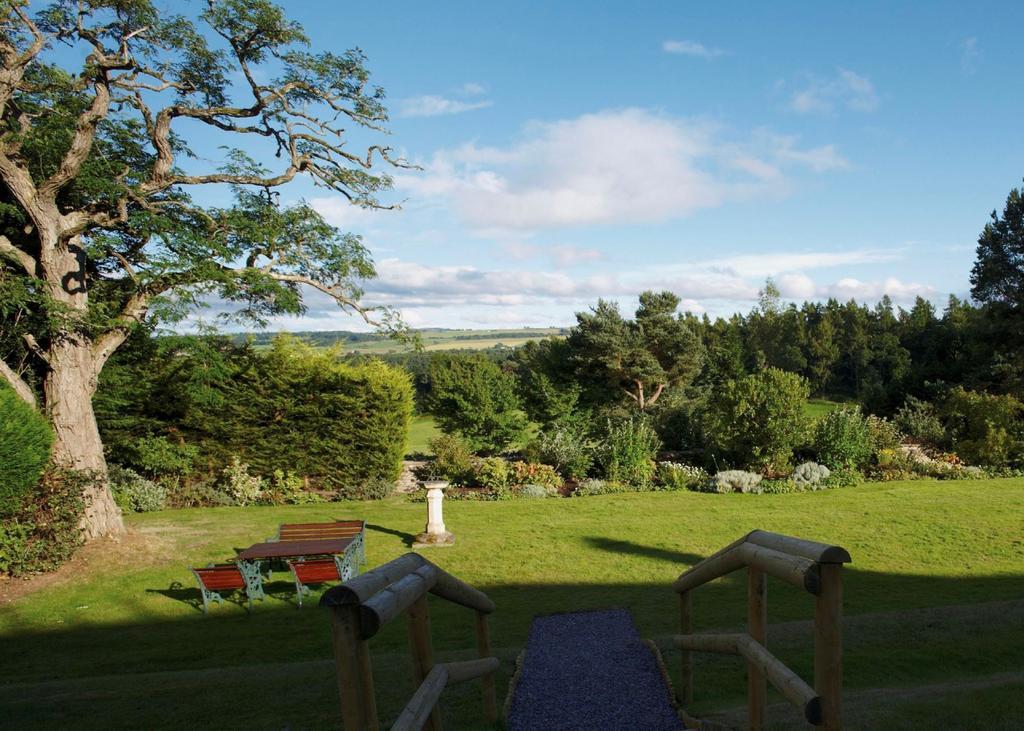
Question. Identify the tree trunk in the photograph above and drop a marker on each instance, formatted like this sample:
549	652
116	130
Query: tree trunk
69	387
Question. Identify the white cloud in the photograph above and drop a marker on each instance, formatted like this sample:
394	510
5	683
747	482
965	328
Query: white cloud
847	88
562	256
691	48
609	167
430	105
471	88
338	211
851	288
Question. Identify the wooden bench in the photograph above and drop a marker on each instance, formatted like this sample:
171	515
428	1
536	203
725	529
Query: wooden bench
216	578
317	571
356	529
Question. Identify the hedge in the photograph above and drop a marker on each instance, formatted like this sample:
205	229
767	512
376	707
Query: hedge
25	442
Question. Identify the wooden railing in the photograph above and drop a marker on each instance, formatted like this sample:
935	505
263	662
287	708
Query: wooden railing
814	567
362	606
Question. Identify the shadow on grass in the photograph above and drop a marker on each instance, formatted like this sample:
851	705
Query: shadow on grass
407	538
223	660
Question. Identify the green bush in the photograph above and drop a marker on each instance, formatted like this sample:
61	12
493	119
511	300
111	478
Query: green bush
677	476
240	485
885	435
846	477
133	493
628	450
493	473
589	487
195	494
472	395
781	486
288	488
757	420
25	441
920	421
376	488
564	446
46	530
453	460
157	455
532	492
842	438
985	429
532	473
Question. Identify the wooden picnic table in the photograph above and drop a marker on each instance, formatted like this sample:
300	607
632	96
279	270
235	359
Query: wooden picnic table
294	549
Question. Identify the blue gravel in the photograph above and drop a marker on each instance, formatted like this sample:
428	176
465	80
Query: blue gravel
590	670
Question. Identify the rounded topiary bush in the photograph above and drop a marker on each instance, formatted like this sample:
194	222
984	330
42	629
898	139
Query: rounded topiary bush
25	442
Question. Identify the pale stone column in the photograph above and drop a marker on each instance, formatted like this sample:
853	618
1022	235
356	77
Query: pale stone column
435	534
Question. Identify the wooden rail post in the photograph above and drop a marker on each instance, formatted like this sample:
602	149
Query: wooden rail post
355	675
422	651
828	645
483	645
757	627
686	670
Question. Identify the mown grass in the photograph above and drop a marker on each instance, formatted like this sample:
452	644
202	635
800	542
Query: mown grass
421	430
816	408
934	595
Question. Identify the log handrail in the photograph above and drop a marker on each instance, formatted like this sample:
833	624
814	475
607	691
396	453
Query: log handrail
361	606
814	567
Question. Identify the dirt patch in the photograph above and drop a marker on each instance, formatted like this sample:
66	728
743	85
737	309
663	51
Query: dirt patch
143	547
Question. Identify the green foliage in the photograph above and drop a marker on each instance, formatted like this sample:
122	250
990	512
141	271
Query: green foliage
842	438
920	421
885	435
627	451
45	531
985	429
532	492
678	476
158	455
288	488
453	460
810	476
25	441
781	486
203	493
735	481
375	488
998	273
589	487
563	445
636	359
241	486
133	493
531	473
757	420
846	477
493	473
473	396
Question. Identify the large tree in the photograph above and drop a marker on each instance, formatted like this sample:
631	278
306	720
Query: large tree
998	273
638	358
100	229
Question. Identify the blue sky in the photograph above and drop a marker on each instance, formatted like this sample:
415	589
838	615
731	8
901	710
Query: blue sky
581	150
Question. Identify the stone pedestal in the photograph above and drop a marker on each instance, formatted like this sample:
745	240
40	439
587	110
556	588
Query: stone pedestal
435	533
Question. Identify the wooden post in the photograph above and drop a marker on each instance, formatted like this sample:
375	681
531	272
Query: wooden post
686	628
757	627
483	646
828	645
422	651
355	675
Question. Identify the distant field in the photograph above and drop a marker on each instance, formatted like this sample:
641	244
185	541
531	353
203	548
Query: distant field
432	339
421	430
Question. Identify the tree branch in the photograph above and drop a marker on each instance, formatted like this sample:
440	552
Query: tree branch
19	385
13	253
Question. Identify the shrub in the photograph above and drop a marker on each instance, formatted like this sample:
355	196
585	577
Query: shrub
241	486
810	476
677	476
985	428
25	441
46	530
195	494
628	450
472	395
590	487
532	473
564	447
780	486
846	477
156	455
885	435
133	493
919	420
842	438
287	488
376	488
453	460
493	473
735	481
532	491
757	420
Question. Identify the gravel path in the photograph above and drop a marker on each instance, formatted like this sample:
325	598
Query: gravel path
589	670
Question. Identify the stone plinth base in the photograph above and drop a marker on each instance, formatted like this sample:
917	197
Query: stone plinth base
424	540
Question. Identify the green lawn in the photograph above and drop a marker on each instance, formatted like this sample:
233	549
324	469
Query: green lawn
816	408
421	430
935	596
